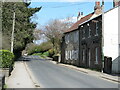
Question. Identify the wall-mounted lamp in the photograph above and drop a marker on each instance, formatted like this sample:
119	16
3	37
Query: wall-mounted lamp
88	24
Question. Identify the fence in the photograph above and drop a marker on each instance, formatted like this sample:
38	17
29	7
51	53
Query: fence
107	65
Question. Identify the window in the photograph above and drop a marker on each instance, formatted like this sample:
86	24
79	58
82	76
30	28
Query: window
76	36
83	34
96	55
89	32
66	55
96	26
89	56
119	49
67	39
83	54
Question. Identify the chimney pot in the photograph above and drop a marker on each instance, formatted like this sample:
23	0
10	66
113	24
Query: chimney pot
97	3
97	8
116	3
80	14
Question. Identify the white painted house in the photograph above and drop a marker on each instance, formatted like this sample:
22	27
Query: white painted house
111	44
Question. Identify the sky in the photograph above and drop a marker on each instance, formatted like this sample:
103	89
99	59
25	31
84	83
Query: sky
61	9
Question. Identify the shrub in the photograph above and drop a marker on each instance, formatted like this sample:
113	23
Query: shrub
51	52
45	46
37	54
32	48
46	54
6	58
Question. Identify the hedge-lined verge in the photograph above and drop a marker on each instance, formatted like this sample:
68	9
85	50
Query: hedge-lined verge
6	59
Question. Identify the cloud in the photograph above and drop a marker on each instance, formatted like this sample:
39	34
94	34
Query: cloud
71	19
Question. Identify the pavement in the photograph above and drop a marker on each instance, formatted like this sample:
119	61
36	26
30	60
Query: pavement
20	77
115	78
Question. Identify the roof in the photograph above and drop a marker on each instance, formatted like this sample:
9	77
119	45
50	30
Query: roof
83	19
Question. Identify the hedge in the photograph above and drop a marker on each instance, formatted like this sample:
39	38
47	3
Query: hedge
6	59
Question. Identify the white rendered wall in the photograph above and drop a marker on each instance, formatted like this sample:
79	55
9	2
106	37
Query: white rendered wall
111	34
111	44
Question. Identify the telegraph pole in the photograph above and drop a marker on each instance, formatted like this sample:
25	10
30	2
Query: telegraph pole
12	38
102	22
102	44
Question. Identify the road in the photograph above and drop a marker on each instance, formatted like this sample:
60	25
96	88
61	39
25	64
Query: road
51	75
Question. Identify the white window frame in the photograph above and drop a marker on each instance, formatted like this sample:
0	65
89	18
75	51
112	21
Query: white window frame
89	57
76	36
96	55
83	55
89	30
83	32
66	55
119	49
96	29
67	39
89	35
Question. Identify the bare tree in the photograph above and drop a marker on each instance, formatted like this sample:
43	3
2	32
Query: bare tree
37	34
54	31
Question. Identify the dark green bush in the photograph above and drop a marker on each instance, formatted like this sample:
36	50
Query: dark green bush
6	59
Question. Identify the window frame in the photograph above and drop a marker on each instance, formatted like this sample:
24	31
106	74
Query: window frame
96	55
89	57
83	55
89	33
96	28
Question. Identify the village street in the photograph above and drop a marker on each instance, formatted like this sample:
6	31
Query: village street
50	75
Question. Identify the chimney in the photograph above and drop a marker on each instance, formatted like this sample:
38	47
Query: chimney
80	15
97	8
116	3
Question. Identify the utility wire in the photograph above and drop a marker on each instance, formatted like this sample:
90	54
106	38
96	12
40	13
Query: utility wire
68	5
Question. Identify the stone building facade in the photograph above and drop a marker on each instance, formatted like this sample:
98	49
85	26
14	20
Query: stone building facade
82	47
91	44
81	44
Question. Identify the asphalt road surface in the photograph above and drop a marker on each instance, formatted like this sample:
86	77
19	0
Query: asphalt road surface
51	75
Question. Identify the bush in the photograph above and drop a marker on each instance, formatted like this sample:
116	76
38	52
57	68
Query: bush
37	54
46	54
51	52
6	59
32	48
45	46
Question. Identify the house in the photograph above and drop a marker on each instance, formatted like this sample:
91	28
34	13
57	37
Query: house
91	43
111	46
81	44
